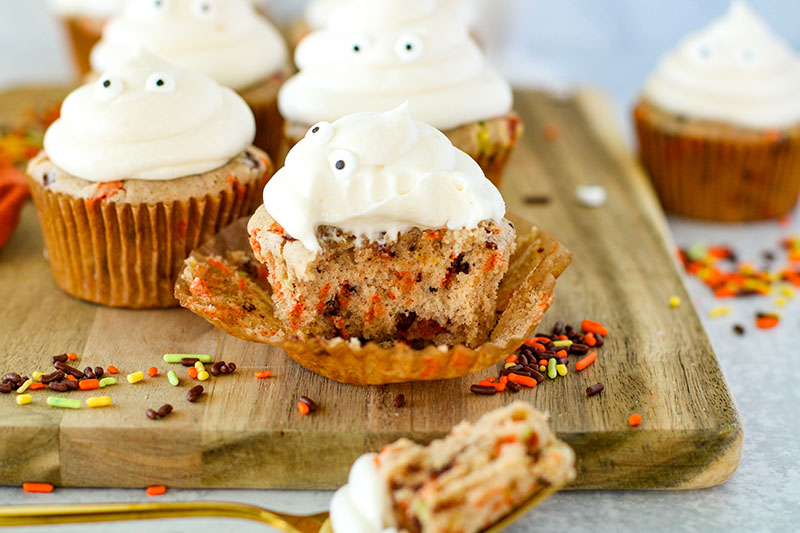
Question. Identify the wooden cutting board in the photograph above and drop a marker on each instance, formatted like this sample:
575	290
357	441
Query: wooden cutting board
247	432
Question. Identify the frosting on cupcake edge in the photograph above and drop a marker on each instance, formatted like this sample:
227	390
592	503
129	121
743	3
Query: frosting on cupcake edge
376	175
364	504
147	119
89	8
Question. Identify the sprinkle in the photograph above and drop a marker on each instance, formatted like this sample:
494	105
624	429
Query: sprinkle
509	365
64	403
738	329
152	371
156	490
24	399
303	408
192	372
551	368
597	388
590	326
562	370
674	302
767	320
513	358
107	381
542	368
719	311
522	380
203	375
586	361
591	195
399	401
38	386
111	369
263	374
37	375
562	343
89	384
780	302
72	356
551	132
98	401
199	366
37	487
787	291
25	386
172	377
194	393
136	377
635	420
176	357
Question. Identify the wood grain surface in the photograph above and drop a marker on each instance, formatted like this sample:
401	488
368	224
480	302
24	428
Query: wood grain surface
247	433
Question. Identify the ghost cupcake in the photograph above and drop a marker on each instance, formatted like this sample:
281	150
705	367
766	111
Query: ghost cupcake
225	39
83	21
373	56
718	122
144	164
318	11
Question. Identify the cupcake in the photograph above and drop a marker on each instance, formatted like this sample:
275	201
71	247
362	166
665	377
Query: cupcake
226	40
143	165
465	482
718	122
83	21
373	56
378	228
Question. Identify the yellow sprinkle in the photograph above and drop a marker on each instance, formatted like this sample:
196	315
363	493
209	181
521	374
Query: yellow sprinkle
199	366
202	376
787	291
780	302
24	399
719	311
98	401
675	301
509	365
562	343
561	369
37	376
22	388
136	377
542	368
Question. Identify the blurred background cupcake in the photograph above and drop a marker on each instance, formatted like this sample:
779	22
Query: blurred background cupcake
145	164
373	56
225	39
718	122
83	22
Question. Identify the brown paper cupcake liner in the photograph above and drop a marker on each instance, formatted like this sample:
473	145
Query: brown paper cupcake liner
226	285
127	255
490	143
83	33
718	172
263	102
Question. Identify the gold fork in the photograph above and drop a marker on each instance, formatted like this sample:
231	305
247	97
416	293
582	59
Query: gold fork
36	515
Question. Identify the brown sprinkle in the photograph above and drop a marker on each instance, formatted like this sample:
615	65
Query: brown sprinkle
164	410
194	393
312	405
597	388
399	400
151	414
484	390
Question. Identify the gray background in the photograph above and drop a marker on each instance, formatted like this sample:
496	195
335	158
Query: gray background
560	43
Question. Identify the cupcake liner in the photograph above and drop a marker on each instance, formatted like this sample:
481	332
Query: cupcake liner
226	285
263	102
490	142
719	173
128	255
83	32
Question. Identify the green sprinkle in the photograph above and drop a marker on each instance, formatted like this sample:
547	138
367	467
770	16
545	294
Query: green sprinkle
562	343
176	357
697	252
551	368
66	403
172	377
509	365
105	382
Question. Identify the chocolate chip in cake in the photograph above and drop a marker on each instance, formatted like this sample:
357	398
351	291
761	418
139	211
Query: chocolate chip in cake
399	400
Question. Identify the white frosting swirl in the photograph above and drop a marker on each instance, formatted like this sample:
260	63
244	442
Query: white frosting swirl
89	8
736	70
225	39
364	504
318	11
373	56
147	119
371	173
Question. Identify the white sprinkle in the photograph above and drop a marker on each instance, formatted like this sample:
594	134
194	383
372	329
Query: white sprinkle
591	195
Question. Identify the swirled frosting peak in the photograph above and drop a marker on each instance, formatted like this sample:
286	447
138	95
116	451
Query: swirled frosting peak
225	39
90	8
376	175
373	56
364	504
736	70
318	11
147	119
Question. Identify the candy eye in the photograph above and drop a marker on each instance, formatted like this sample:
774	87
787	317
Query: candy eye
160	83
107	87
409	47
160	6
343	163
204	8
359	44
703	53
747	56
320	133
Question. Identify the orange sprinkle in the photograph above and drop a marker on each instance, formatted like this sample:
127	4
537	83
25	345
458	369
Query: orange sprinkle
72	378
590	326
589	339
72	356
263	374
635	420
152	371
503	379
522	380
486	383
511	358
766	322
563	338
303	408
111	369
586	361
156	490
89	384
37	487
561	353
37	386
542	362
192	372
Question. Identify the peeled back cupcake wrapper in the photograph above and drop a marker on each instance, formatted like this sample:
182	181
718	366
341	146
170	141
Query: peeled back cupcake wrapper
223	283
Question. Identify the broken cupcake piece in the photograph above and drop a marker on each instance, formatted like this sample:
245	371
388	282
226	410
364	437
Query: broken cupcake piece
465	482
378	228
